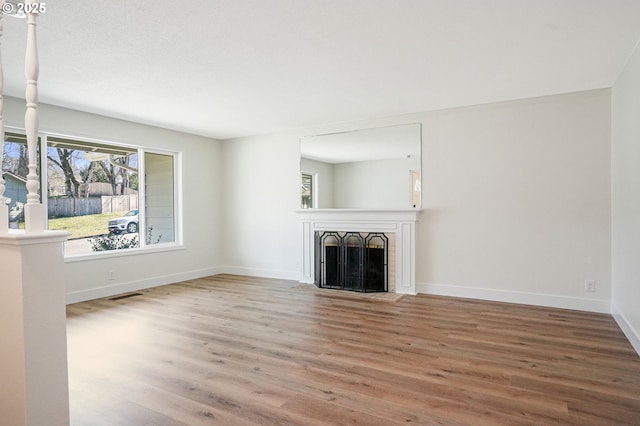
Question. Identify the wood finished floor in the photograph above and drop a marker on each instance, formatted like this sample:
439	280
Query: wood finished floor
236	350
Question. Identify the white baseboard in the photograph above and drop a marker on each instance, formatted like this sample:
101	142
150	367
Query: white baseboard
626	327
548	300
263	273
111	290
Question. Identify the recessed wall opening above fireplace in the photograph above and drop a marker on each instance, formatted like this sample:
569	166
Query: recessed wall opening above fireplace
354	261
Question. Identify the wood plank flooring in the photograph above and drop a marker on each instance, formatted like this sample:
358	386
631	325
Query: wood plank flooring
234	350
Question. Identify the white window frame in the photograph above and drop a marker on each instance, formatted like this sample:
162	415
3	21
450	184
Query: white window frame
177	196
177	244
314	187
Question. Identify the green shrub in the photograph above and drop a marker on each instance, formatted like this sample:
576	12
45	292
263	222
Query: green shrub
112	242
120	241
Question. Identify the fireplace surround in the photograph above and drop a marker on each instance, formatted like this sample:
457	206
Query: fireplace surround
399	225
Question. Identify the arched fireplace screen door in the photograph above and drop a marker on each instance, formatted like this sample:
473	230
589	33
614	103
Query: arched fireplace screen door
352	261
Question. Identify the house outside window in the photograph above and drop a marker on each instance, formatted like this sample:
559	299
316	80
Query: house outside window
15	162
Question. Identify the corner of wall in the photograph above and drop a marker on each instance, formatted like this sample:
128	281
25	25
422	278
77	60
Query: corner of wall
632	334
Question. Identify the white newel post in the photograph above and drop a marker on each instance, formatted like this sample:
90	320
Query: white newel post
34	209
34	387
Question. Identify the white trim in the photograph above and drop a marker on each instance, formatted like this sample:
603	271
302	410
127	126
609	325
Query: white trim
360	215
18	237
112	290
178	200
632	334
525	298
142	199
314	187
262	273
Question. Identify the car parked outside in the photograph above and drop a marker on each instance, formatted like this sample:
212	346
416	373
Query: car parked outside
127	223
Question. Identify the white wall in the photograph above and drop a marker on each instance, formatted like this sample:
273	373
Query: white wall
516	198
261	178
380	184
518	201
626	200
201	161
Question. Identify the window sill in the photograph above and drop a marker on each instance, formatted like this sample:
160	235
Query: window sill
160	248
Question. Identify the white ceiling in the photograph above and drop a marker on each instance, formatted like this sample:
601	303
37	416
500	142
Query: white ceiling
228	68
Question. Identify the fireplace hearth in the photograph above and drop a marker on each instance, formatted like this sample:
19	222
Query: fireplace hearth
354	261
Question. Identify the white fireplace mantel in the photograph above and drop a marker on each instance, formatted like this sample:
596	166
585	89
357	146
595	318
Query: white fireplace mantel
401	222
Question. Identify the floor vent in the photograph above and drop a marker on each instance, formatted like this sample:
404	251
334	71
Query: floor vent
125	296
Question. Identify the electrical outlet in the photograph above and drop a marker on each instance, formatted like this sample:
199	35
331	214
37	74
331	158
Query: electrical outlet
590	286
111	275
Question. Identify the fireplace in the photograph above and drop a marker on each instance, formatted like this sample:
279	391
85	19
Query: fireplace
354	261
398	226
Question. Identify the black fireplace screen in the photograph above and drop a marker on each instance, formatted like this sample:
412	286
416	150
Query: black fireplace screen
352	261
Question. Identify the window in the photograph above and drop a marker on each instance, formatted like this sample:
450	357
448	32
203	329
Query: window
108	196
307	190
159	197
